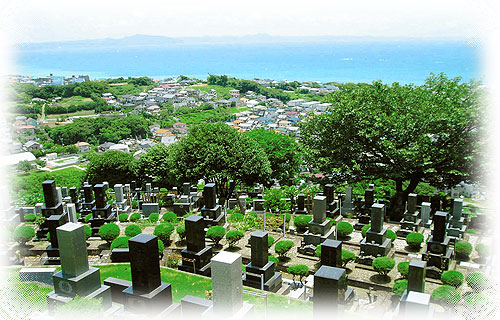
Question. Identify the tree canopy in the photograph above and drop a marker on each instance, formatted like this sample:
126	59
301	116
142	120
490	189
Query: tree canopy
402	133
111	166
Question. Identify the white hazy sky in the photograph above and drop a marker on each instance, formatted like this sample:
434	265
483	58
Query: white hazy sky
53	20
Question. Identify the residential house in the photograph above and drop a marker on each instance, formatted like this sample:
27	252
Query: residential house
27	129
168	139
83	146
161	133
105	146
32	146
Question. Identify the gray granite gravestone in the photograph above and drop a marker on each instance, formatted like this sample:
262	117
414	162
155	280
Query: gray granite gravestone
411	220
320	228
456	225
425	215
54	222
71	212
149	208
347	204
74	199
375	244
365	210
330	291
301	204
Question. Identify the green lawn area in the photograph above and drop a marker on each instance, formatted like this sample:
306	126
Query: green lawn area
210	115
120	89
71	114
222	92
66	102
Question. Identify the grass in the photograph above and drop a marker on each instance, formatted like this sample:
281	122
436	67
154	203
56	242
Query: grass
66	102
208	115
71	114
120	89
222	92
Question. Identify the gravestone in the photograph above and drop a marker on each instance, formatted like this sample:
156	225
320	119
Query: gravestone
71	208
375	244
347	204
260	271
101	211
332	205
258	204
54	222
243	202
196	257
425	215
38	209
120	201
319	229
183	206
88	202
76	277
365	210
414	301
437	253
59	195
186	188
456	225
411	221
301	204
211	211
52	205
74	199
149	208
331	294
331	253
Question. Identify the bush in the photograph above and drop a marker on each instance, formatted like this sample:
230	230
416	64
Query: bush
30	217
163	231
446	295
132	230
235	217
301	221
88	231
482	250
23	234
317	252
87	218
120	242
134	217
154	217
169	217
391	235
399	287
161	247
365	229
452	278
233	237
181	231
273	259
39	220
109	232
463	249
123	217
383	265
282	247
403	268
477	281
344	229
135	204
173	261
216	233
475	300
300	270
414	239
270	241
347	256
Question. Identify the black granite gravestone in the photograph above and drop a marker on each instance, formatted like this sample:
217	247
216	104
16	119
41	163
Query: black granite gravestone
331	253
196	257
301	204
437	252
330	291
212	212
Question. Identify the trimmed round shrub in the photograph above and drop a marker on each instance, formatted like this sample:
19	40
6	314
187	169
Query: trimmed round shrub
181	231
347	256
403	268
414	239
135	204
123	217
473	300
120	242
270	241
132	230
169	217
365	229
446	295
391	235
154	217
482	250
109	232
235	217
30	217
23	234
300	270
134	217
161	247
273	259
282	247
477	281
383	265
463	249
344	229
88	231
87	218
452	278
163	231
317	252
399	287
233	236
300	222
216	233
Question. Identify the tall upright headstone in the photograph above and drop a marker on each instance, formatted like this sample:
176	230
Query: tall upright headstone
319	229
89	202
211	211
456	225
425	215
375	244
71	212
120	201
347	204
51	207
365	210
414	301
330	292
101	209
196	257
331	253
301	204
437	252
411	220
74	198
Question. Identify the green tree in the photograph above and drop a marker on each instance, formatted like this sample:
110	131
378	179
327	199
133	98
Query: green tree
300	270
401	133
157	164
111	166
24	165
233	236
216	233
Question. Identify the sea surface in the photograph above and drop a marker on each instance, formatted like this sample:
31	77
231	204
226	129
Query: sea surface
389	61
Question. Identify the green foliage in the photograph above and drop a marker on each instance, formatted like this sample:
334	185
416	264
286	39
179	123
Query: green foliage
270	241
463	248
391	235
403	268
88	231
273	259
317	252
24	165
39	220
109	232
134	217
474	300
273	201
216	233
233	236
88	217
123	217
157	163
235	217
181	231
383	265
347	256
282	247
300	270
344	229
112	166
477	281
153	217
482	250
23	234
301	222
414	239
163	231
120	242
161	247
82	306
452	278
30	217
169	217
365	229
399	287
446	295
132	230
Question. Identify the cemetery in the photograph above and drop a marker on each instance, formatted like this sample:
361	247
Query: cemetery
192	255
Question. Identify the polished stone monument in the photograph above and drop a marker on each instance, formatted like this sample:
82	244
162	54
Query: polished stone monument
411	220
196	257
375	244
319	229
438	253
211	211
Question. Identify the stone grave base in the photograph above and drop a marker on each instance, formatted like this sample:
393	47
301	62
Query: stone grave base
245	312
120	255
56	299
153	302
214	222
193	307
200	259
272	280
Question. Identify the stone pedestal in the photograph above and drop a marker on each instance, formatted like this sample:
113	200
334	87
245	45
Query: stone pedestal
211	211
425	214
331	293
320	228
456	225
411	221
365	210
375	244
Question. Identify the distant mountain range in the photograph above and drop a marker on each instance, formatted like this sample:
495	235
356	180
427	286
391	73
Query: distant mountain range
139	40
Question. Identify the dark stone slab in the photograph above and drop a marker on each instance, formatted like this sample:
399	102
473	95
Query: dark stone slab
330	284
210	196
416	276
53	222
195	233
144	263
88	194
50	193
100	195
439	231
81	285
259	248
151	303
117	286
331	253
120	255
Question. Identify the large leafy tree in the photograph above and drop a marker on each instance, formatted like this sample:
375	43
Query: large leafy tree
218	153
405	133
157	165
111	166
282	151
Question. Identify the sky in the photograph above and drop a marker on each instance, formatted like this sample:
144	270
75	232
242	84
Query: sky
57	20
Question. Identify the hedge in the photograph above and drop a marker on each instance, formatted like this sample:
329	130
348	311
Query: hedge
300	270
169	217
88	231
154	217
414	239
477	281
181	231
403	268
391	235
123	217
132	230
383	265
446	295
134	217
270	241
216	233
30	217
109	232
482	250
87	218
364	230
475	300
120	242
282	247
344	229
452	278
273	259
400	286
235	217
463	249
301	222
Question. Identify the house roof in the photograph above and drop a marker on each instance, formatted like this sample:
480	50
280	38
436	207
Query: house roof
162	131
82	144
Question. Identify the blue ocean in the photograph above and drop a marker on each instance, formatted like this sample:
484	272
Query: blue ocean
389	61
